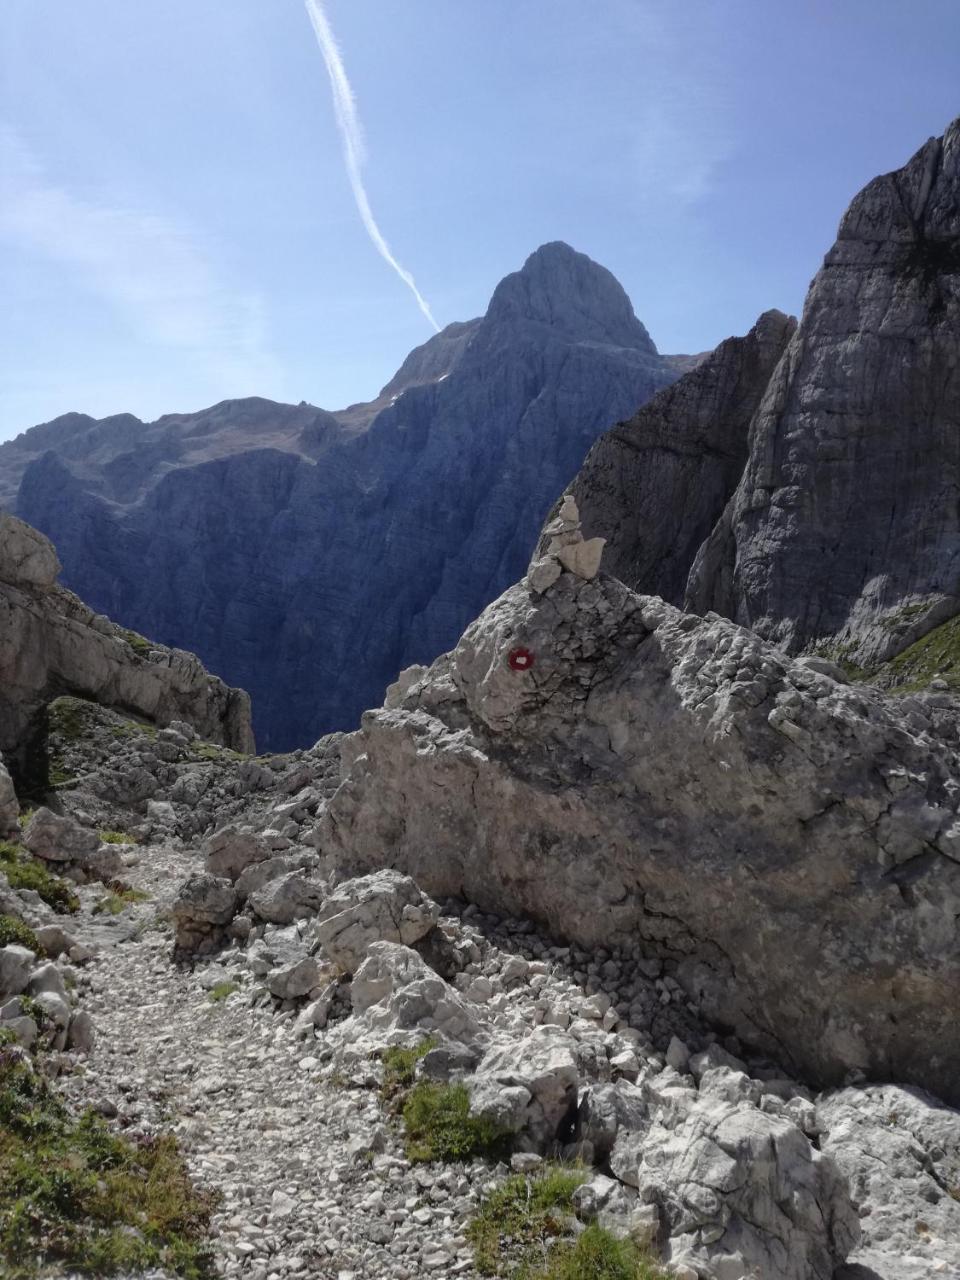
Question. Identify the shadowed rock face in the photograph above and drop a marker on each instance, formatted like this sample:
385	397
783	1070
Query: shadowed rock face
655	486
788	845
306	556
847	511
805	480
52	644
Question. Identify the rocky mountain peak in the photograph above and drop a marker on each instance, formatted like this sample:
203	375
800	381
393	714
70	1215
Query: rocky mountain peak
433	359
276	539
574	295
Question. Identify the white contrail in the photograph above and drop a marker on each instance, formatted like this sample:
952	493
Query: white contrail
345	107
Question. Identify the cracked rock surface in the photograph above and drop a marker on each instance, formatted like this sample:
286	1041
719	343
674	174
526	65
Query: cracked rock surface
50	640
662	777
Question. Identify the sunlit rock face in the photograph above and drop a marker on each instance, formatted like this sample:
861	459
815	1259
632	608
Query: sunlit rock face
51	644
788	844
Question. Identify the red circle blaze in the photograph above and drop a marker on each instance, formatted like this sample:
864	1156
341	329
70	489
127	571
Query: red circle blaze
520	659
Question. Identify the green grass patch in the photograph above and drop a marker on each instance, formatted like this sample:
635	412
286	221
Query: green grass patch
524	1232
400	1065
221	991
937	654
61	780
71	718
73	1195
118	899
214	753
117	837
438	1125
25	816
140	645
903	617
840	654
14	932
31	1008
24	872
520	1218
596	1254
133	729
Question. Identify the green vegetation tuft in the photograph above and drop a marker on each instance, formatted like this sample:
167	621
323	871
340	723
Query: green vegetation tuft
61	780
840	654
118	899
438	1125
133	729
140	645
935	655
521	1217
24	872
15	933
400	1065
117	837
221	991
75	1196
597	1254
214	753
523	1232
71	718
31	1008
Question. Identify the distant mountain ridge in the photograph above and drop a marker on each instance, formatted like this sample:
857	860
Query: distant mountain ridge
308	556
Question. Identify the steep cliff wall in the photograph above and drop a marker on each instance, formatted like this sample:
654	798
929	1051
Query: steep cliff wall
810	489
52	644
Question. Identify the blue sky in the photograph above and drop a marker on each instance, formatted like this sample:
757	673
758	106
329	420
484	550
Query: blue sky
177	227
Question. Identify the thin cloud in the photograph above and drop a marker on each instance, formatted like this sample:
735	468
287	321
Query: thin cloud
148	267
682	131
348	122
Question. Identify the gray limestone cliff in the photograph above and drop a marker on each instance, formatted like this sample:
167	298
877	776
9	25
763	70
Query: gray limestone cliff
629	774
52	644
308	556
846	525
655	486
805	483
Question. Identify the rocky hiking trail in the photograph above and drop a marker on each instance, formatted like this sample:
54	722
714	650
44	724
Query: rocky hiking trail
287	1121
261	1120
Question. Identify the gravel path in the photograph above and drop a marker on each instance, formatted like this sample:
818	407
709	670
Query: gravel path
314	1182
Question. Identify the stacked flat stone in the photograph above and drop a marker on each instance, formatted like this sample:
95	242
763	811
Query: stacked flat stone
567	549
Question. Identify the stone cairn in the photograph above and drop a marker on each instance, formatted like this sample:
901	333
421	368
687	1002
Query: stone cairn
567	549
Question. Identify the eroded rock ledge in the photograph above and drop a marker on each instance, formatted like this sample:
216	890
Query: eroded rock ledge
656	777
51	643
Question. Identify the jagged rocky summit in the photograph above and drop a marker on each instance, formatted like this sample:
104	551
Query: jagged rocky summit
52	644
802	480
306	556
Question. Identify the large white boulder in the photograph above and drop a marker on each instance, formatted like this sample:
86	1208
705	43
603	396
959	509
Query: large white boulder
229	851
57	838
900	1150
27	558
747	1190
543	1063
395	991
382	907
